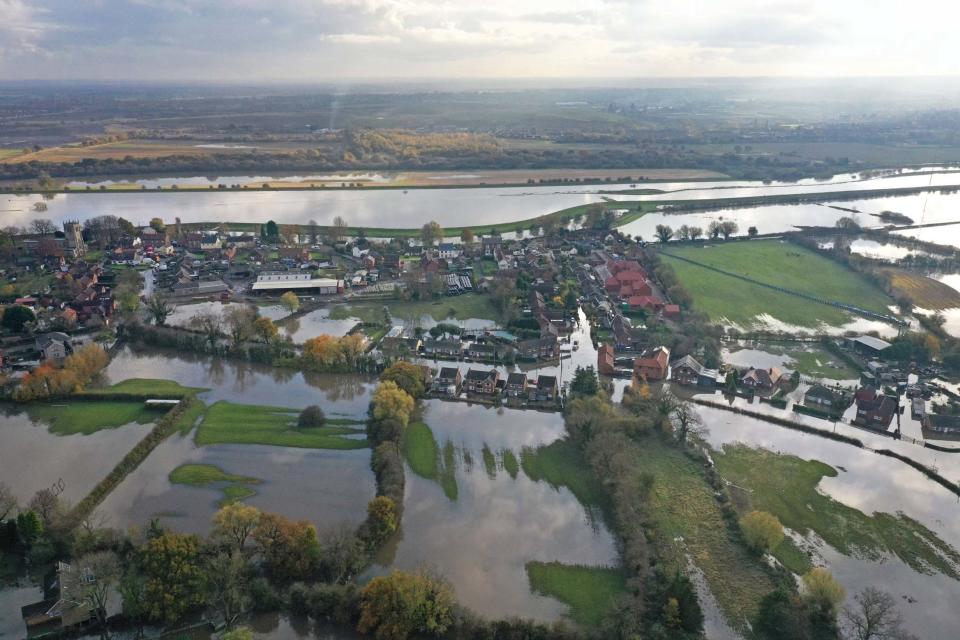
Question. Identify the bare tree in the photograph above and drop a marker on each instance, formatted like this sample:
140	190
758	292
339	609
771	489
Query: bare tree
339	230
875	617
43	227
90	579
685	420
239	319
313	229
227	577
8	502
208	323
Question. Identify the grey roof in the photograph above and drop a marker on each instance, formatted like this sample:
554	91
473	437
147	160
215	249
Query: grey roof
48	338
517	378
448	372
479	374
689	361
544	382
873	343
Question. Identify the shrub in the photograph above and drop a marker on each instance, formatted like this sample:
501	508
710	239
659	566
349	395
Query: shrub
311	416
761	530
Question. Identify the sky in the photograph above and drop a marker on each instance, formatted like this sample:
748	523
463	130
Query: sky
323	40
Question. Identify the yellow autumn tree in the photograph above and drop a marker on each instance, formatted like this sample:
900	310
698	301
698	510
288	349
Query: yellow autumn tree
390	402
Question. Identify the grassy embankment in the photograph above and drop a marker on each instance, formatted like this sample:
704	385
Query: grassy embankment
786	486
233	487
145	387
471	305
688	523
777	263
560	464
925	292
428	460
229	423
590	592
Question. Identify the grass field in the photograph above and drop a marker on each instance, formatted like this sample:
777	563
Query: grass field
925	292
90	417
810	360
688	522
777	263
560	464
875	154
233	487
590	592
226	422
471	305
144	387
786	486
428	460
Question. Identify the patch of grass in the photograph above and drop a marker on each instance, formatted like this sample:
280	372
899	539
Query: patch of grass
925	292
147	387
792	557
590	592
820	363
489	461
786	486
776	263
229	423
471	305
560	464
234	487
90	417
428	460
688	522
189	418
510	463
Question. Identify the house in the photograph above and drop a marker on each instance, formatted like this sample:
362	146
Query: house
652	364
688	371
941	425
209	241
477	351
491	245
481	382
448	381
516	385
606	360
761	379
546	348
448	251
869	346
546	390
61	611
820	397
671	311
874	410
297	254
54	346
444	348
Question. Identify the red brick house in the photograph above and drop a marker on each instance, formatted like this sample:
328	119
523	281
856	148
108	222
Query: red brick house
652	365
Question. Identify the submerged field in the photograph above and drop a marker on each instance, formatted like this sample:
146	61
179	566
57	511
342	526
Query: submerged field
230	423
925	292
89	417
777	263
465	307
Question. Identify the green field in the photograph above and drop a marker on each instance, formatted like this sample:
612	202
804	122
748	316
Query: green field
146	387
590	592
560	465
786	486
233	487
810	360
428	460
90	417
226	422
688	523
471	305
778	263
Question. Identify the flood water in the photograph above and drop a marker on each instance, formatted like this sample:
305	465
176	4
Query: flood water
870	483
481	540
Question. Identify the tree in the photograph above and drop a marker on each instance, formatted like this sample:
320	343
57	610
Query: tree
227	577
208	323
585	382
265	329
290	549
174	576
342	555
714	229
311	417
762	531
695	233
90	579
466	236
43	227
401	604
664	233
390	402
875	617
753	232
431	232
16	316
685	420
133	593
382	519
239	319
683	232
290	301
29	527
157	224
271	231
728	228
159	309
339	230
823	592
235	522
313	230
848	223
8	502
407	376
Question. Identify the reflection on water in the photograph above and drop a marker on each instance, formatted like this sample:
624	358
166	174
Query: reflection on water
870	483
316	323
33	458
246	382
481	541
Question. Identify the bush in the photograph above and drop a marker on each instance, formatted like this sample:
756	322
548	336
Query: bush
762	530
312	416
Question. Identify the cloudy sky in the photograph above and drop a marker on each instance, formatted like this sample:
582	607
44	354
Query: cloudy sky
316	40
